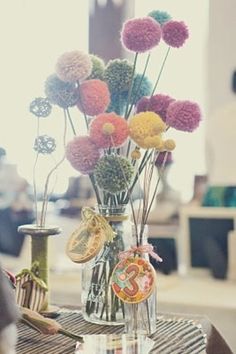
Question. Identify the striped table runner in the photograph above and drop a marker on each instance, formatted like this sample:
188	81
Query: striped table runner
173	336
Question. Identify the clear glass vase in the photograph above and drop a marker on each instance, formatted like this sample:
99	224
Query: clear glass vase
141	318
99	303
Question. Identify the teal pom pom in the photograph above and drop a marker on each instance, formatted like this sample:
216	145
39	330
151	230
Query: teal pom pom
141	87
63	94
160	16
113	173
117	103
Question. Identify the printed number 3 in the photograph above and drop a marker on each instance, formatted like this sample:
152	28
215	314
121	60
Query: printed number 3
132	270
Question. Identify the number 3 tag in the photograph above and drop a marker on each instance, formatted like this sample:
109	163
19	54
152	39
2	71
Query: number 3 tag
133	280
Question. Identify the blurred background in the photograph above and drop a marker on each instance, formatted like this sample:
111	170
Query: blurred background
193	220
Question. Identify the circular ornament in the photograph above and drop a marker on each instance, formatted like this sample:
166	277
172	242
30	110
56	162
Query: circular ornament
133	280
84	244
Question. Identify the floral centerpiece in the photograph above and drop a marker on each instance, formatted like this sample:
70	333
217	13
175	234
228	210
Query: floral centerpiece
127	129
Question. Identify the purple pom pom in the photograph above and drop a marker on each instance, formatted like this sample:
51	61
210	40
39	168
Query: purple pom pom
175	33
140	34
159	104
183	115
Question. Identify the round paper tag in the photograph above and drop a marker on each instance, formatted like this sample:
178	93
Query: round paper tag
133	280
84	244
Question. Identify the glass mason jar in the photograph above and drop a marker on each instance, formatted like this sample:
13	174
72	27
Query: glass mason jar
99	303
141	318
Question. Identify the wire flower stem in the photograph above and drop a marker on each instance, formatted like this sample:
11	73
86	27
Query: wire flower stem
66	111
82	106
161	70
156	187
45	195
140	83
34	178
131	85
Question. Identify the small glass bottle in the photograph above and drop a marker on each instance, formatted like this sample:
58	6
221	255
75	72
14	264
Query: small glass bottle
141	318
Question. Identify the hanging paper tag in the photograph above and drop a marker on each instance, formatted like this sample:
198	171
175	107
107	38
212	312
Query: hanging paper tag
133	280
86	241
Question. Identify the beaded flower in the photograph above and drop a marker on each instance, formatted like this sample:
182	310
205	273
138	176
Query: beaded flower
118	75
63	94
40	107
145	129
98	67
175	33
183	115
73	66
108	130
94	97
113	173
160	16
83	154
140	34
44	144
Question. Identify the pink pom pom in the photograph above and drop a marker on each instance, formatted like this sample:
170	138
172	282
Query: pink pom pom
83	154
94	97
175	33
183	115
140	34
108	130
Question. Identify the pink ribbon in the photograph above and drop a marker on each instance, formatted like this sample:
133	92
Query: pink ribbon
140	249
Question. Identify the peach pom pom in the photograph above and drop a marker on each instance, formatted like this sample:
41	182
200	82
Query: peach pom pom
108	130
94	97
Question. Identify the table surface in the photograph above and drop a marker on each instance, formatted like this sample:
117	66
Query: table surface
175	334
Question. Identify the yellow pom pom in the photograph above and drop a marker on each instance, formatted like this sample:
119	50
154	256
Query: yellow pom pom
169	145
108	128
135	154
144	127
152	142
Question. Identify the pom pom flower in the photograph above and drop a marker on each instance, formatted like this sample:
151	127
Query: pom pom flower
183	115
94	97
141	87
142	105
140	34
145	129
108	130
169	145
61	93
160	16
83	154
40	107
158	103
164	156
175	33
44	144
74	66
98	68
118	75
118	103
113	173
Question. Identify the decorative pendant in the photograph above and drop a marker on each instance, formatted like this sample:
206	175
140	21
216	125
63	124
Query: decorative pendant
84	244
133	279
86	241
